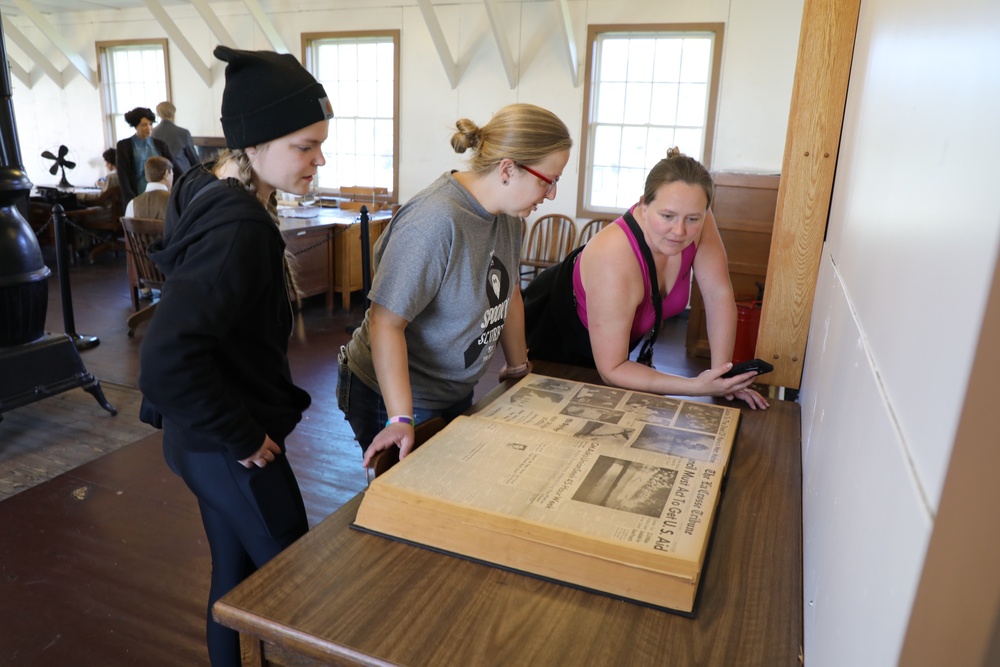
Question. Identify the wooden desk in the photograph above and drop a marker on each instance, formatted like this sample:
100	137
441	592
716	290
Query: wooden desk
340	596
327	251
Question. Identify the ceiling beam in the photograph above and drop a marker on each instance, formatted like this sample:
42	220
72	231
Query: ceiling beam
562	9
175	34
440	43
30	50
56	38
266	25
498	34
214	23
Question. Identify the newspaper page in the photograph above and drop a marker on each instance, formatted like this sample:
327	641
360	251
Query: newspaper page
637	470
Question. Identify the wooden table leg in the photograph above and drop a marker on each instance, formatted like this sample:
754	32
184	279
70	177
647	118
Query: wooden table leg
252	651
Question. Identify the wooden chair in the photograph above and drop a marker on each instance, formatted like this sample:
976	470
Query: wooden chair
362	192
549	241
101	219
591	228
356	206
390	457
356	196
142	272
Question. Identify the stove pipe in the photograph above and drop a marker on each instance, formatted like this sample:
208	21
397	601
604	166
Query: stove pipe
24	286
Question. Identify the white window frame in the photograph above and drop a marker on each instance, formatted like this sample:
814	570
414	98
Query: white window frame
133	73
354	157
635	158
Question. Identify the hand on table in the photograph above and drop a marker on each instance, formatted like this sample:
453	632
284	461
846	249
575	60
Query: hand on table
400	434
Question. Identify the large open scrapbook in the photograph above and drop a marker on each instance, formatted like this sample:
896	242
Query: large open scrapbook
602	488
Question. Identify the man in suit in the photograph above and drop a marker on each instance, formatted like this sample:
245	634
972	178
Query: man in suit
176	138
152	203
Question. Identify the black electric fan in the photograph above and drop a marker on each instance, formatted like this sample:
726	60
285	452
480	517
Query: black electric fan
60	162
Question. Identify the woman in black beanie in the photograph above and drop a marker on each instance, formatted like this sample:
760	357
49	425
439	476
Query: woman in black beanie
132	152
214	362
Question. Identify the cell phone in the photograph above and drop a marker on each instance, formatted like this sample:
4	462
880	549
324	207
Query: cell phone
758	365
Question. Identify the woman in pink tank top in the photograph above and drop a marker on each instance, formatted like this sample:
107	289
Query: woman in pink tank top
613	292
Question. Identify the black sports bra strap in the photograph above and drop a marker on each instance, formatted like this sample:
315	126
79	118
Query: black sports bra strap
646	352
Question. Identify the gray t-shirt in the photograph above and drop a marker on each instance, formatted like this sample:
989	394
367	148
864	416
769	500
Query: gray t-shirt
449	267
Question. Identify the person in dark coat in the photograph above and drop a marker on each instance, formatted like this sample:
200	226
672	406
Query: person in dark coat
132	152
214	362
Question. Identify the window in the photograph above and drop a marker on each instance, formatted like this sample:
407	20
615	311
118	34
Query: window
360	71
648	88
133	74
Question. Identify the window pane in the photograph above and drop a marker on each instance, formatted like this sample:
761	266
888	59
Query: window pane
326	63
611	103
384	98
367	98
696	60
348	64
690	142
358	73
634	146
667	66
347	98
607	145
663	106
641	54
637	97
365	168
614	59
346	140
365	129
658	142
367	64
132	76
630	186
385	62
650	92
604	187
691	104
383	138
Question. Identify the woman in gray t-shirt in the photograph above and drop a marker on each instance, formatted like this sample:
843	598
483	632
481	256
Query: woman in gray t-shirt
446	289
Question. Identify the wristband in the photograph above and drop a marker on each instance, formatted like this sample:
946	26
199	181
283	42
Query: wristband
400	419
515	372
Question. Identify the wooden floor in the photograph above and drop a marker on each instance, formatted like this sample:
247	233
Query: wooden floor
107	565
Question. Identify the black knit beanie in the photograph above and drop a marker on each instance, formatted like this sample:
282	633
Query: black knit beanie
267	95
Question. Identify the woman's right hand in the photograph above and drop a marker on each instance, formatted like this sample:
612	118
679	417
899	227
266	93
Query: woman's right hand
712	383
266	454
400	434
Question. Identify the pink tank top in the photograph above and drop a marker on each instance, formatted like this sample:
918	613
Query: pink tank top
645	315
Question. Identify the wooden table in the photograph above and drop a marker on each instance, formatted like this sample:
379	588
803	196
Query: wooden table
342	597
327	251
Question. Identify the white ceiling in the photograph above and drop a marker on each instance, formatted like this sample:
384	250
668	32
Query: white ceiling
46	67
9	8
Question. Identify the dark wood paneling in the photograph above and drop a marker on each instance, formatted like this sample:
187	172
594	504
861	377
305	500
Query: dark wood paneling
744	209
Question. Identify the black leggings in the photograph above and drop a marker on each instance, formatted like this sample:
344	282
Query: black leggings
250	515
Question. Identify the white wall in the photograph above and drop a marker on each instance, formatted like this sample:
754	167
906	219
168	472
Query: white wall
911	246
761	38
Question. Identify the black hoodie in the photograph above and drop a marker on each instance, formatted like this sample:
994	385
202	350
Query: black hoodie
214	361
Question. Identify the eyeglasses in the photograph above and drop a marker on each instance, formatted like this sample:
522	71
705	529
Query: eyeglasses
551	182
